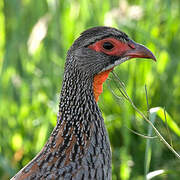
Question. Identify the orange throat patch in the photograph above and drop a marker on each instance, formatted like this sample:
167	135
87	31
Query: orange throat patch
98	83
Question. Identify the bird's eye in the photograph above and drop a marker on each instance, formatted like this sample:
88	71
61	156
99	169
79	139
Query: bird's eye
108	45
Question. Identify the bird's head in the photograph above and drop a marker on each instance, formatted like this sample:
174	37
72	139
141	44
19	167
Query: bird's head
98	50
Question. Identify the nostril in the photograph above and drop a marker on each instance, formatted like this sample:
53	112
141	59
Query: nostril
131	44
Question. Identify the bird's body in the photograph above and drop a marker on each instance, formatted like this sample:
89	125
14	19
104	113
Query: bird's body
79	148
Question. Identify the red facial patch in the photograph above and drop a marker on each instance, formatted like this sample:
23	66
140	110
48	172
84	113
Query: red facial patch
98	83
118	49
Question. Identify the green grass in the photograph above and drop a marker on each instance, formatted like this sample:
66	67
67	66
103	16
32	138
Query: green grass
30	80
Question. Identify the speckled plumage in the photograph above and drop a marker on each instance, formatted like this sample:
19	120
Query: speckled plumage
78	148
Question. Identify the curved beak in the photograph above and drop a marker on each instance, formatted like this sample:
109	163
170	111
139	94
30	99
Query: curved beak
138	51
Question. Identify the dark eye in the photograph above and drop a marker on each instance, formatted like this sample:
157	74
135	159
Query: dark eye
108	45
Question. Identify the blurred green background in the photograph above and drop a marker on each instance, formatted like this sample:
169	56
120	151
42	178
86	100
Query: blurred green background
34	38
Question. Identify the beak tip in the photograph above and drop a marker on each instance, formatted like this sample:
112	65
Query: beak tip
153	58
145	52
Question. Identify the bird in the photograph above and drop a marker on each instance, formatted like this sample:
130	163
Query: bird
79	147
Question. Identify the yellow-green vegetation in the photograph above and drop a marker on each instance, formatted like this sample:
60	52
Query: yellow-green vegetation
34	38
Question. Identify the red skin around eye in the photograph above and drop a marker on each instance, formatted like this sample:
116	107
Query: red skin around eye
118	49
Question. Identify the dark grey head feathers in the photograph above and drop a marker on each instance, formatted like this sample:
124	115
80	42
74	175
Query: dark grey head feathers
86	60
97	33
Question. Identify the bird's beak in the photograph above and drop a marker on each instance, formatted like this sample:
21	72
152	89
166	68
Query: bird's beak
138	51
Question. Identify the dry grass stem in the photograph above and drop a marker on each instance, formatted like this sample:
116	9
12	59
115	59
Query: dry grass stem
124	93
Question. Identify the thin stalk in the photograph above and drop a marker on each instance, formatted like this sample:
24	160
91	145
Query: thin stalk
148	150
169	134
146	119
142	135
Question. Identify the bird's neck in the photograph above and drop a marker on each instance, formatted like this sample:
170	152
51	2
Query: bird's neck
79	139
79	120
77	107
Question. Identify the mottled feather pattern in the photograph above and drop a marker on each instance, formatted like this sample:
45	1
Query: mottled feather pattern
78	146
